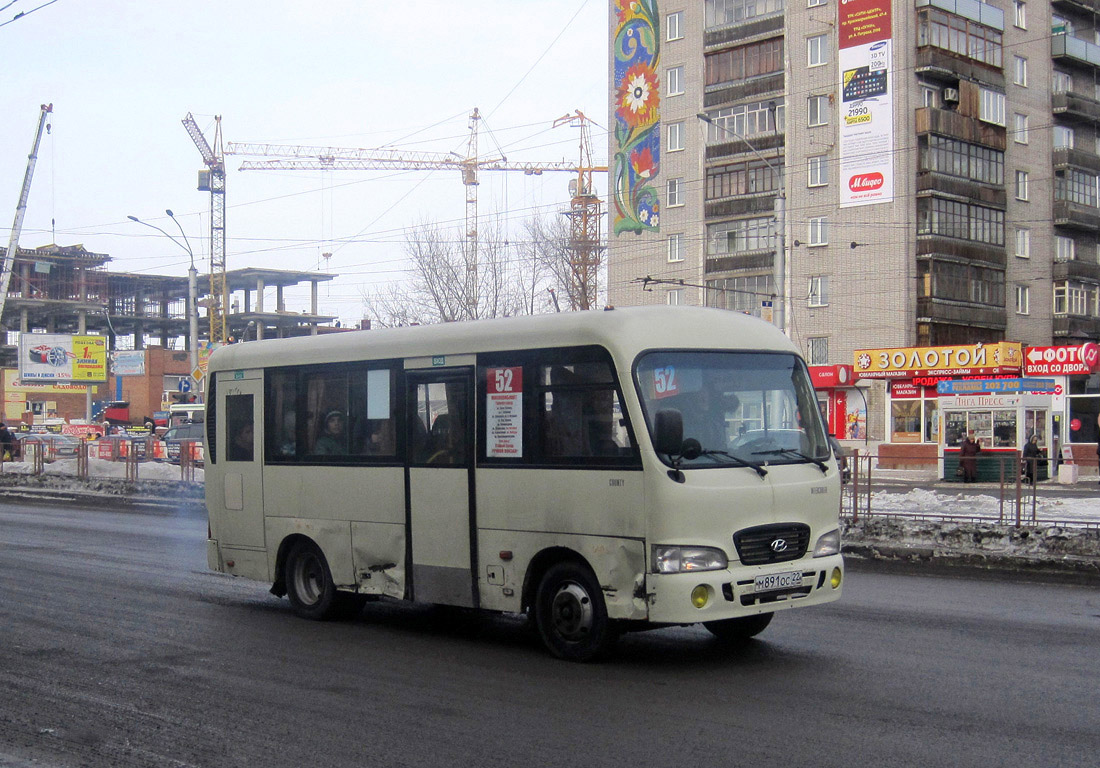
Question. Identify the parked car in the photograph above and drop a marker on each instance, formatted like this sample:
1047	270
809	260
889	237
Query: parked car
177	435
52	445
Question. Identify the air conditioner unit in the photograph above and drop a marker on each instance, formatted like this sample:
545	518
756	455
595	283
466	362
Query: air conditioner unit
951	95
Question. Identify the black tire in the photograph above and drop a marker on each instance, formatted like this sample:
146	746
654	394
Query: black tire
739	630
309	583
571	615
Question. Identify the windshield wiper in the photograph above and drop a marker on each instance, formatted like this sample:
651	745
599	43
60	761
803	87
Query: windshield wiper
792	452
743	462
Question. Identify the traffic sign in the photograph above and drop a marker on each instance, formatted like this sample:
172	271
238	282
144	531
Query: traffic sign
185	385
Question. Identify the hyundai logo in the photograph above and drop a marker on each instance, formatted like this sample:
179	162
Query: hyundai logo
779	545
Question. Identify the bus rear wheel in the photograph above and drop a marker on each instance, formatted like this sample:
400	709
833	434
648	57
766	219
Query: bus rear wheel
309	584
571	615
737	630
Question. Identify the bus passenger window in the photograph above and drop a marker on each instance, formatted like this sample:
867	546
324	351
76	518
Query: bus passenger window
239	433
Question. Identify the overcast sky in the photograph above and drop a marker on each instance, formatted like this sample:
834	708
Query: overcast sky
122	75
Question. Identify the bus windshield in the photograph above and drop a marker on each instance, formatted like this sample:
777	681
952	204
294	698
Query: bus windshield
743	408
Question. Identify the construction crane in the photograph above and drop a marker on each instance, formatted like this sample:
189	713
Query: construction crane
21	207
212	180
584	219
297	158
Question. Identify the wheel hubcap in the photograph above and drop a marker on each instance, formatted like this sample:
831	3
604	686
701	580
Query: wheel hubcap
307	579
571	612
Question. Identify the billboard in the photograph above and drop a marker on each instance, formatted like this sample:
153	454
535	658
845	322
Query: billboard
866	108
1002	357
52	357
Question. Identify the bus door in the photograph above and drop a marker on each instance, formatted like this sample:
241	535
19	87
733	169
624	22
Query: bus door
440	442
240	410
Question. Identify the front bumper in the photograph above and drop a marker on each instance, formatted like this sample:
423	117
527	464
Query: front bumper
731	592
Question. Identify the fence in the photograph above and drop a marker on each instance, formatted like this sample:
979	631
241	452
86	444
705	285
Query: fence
1015	483
132	458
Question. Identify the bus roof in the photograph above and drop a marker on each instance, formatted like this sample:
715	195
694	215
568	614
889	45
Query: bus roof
625	332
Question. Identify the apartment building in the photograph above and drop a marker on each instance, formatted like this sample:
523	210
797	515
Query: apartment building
978	220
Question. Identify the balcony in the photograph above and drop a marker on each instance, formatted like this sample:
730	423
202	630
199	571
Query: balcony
931	181
1076	158
943	122
758	142
1074	327
1073	50
744	31
1076	6
1075	106
933	310
948	67
1077	270
961	250
728	93
1075	216
759	203
751	260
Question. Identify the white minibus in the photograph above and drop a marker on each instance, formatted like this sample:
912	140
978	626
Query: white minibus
598	471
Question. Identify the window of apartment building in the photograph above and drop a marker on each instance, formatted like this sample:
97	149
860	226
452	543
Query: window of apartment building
740	294
929	96
742	235
965	221
672	25
674	81
675	137
992	107
676	247
817	350
1060	25
719	12
1063	137
817	233
1061	82
1075	298
1019	71
1022	185
1020	7
1075	186
674	193
1020	129
815	3
675	297
962	159
1023	242
1023	299
1065	248
958	35
817	111
819	291
731	123
753	60
817	50
743	179
817	171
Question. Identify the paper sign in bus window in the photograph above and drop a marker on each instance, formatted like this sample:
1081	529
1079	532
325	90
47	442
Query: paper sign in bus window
504	412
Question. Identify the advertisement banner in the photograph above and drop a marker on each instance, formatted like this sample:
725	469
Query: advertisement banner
52	357
906	362
866	106
128	363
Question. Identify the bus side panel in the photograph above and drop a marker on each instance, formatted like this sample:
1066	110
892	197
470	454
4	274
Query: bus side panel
332	536
585	501
359	494
378	550
619	565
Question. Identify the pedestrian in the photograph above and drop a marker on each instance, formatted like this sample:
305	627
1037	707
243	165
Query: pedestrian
7	451
1031	459
968	460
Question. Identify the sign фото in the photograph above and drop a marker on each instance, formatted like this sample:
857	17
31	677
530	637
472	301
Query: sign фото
1062	361
1003	357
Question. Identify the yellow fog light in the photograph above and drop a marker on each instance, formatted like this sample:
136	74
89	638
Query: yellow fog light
835	580
700	595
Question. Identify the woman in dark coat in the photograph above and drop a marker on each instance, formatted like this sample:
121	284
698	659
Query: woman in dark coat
969	462
1031	459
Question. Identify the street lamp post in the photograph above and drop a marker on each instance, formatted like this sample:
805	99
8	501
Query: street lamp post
192	283
779	263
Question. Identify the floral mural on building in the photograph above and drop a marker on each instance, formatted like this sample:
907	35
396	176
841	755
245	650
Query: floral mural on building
637	146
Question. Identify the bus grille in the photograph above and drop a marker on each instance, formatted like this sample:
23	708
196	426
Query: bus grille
759	545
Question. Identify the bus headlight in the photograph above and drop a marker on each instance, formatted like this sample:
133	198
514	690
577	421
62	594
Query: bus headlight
828	544
673	559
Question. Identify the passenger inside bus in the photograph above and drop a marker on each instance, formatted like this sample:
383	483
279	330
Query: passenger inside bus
240	447
446	443
333	440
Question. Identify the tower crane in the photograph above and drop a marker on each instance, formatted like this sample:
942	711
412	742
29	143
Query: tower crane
213	180
299	158
584	218
21	207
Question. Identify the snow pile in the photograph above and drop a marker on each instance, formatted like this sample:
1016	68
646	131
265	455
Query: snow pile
102	468
933	502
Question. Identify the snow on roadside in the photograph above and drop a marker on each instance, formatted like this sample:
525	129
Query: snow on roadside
102	468
925	501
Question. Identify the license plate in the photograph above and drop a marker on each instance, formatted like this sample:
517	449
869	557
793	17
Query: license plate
775	581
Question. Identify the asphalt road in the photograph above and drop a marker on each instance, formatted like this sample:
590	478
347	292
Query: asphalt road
118	648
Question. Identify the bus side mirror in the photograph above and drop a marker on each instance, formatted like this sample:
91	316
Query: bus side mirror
668	431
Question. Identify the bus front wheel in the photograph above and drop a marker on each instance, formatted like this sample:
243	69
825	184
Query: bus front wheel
571	615
309	583
734	630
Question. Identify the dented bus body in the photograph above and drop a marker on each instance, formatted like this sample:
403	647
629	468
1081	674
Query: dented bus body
598	471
